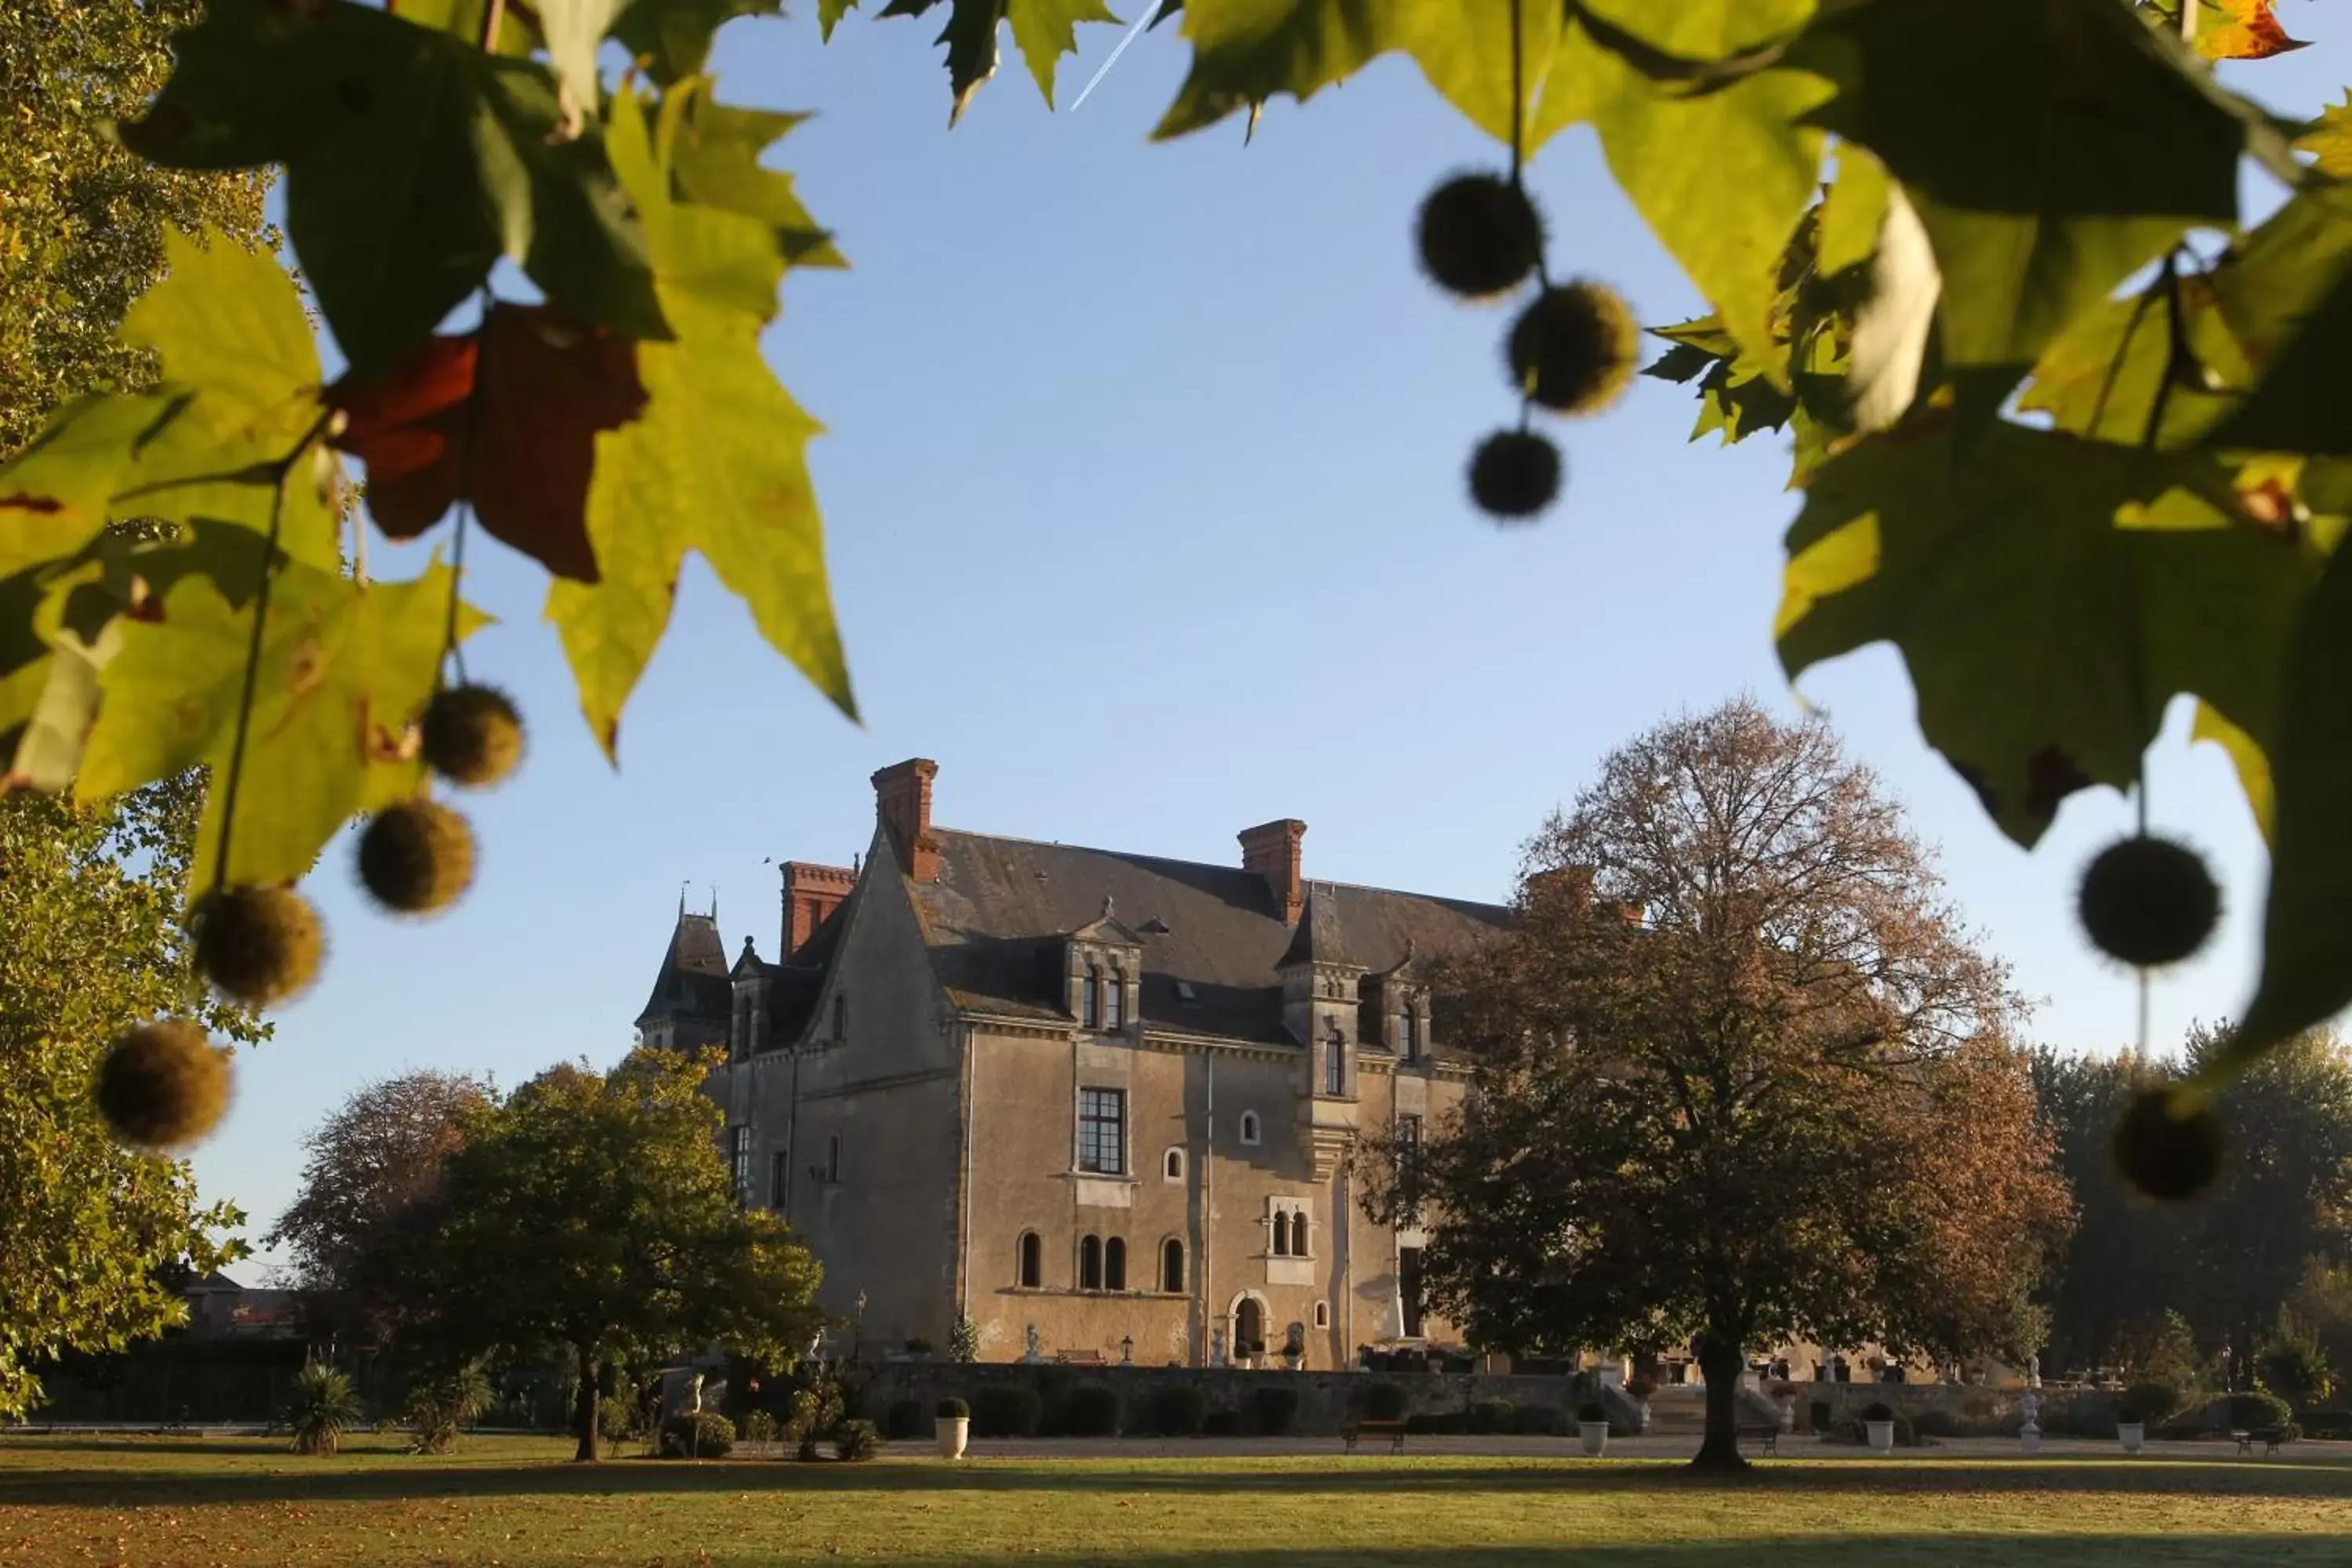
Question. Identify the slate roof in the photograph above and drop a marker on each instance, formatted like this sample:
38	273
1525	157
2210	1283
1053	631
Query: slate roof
1318	939
692	981
996	919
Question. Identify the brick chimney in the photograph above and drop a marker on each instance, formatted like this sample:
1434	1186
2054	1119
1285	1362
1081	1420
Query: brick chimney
1271	850
902	799
811	893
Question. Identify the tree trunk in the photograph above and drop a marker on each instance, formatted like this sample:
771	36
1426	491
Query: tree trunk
1720	1362
583	1409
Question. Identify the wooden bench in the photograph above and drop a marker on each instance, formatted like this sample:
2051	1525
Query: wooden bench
1079	1358
1767	1432
1393	1430
2270	1437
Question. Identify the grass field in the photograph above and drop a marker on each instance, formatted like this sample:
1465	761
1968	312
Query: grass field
511	1501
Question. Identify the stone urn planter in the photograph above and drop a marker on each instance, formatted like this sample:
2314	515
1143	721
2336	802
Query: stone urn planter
953	1420
1878	1427
1592	1427
2029	1440
2131	1435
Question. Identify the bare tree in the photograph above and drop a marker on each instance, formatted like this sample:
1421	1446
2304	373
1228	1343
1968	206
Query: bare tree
1741	1078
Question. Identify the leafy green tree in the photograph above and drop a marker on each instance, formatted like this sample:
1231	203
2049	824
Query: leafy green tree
592	1211
92	1235
1740	1078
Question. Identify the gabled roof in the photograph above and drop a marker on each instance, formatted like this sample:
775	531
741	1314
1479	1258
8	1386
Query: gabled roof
1317	938
996	920
692	981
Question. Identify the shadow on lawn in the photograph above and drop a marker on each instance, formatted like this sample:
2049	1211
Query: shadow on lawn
2078	1549
390	1476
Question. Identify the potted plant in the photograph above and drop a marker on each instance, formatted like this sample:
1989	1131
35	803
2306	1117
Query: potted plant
954	1426
919	1348
1592	1427
1250	1350
1294	1348
1878	1426
2131	1425
1642	1385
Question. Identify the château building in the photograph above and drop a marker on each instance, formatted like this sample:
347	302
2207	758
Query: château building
1094	1093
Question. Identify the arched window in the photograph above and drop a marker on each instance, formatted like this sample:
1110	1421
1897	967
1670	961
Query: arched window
1115	1264
1172	1166
1033	1261
1172	1267
1322	1314
1299	1233
1279	1242
1090	999
1115	1001
1249	1127
1090	1251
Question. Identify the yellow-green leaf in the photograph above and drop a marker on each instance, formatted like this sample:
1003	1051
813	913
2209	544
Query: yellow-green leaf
229	321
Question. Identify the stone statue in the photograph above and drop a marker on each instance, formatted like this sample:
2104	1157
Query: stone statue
2028	1434
1216	1347
1032	1355
2033	1371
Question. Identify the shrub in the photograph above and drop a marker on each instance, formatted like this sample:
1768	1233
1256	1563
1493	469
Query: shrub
854	1442
2150	1401
1818	1416
2336	1424
919	1346
2253	1412
963	1341
1538	1421
705	1435
1489	1415
1224	1424
952	1408
1878	1410
1180	1410
904	1419
1006	1411
1089	1411
323	1409
816	1409
1591	1410
1272	1410
2294	1366
1936	1423
1387	1402
440	1404
759	1427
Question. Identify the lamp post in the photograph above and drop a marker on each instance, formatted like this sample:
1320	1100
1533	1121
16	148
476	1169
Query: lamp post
1127	1349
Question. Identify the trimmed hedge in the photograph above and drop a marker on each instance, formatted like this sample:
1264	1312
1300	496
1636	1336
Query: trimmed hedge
1387	1402
2332	1423
1224	1424
1538	1421
1006	1411
1272	1410
709	1435
1490	1415
952	1408
904	1419
2251	1411
1089	1410
1180	1410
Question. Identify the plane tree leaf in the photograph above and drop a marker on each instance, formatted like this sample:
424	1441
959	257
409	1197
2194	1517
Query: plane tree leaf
673	36
1043	31
716	464
414	162
345	666
715	163
2050	596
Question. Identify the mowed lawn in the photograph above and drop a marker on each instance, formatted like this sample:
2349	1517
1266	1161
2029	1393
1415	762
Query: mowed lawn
502	1500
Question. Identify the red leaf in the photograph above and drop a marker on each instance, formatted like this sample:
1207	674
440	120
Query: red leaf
2252	33
505	417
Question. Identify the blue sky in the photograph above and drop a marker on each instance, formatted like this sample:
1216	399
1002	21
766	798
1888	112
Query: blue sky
1145	519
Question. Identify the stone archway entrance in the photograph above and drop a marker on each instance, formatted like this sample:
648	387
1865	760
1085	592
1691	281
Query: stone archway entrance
1249	1324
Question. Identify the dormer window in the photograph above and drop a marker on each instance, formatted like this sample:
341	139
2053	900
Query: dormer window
1090	999
1115	1001
1408	1033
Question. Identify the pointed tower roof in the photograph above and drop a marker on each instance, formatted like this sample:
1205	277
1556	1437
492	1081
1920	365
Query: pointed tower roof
1317	938
692	981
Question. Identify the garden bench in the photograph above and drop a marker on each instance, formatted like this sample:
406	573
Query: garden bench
1392	1430
1766	1432
2270	1437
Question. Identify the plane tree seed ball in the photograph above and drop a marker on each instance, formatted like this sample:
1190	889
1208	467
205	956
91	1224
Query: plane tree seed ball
257	945
1479	236
472	735
2148	901
2168	1144
1572	350
163	1085
416	858
1514	475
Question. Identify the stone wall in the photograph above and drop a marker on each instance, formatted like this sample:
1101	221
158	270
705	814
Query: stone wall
1326	1399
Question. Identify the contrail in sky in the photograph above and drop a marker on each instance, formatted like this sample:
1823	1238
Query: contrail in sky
1151	8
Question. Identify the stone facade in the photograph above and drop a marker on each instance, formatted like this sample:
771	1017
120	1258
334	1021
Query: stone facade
1114	1100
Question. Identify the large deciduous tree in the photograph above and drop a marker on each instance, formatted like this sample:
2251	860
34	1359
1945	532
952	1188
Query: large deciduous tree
1741	1078
91	1233
592	1211
376	1163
